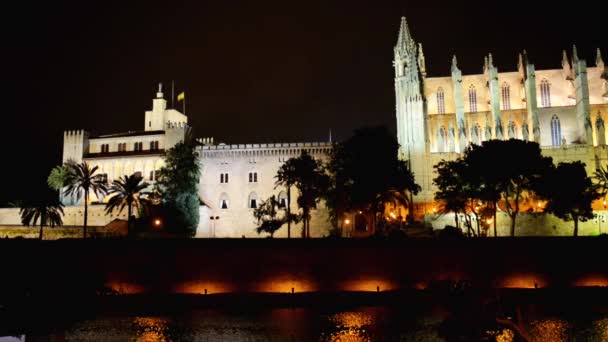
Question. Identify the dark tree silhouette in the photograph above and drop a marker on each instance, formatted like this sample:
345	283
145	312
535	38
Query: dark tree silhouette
570	193
309	177
82	180
513	168
287	177
127	192
366	175
270	217
45	212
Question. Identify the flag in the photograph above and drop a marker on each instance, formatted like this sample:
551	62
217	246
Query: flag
181	96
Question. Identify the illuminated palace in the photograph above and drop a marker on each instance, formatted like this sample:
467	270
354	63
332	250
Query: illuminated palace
437	117
564	110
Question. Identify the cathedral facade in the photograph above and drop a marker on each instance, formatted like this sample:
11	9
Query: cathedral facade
564	110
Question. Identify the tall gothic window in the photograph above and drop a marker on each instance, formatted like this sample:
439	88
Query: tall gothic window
512	130
506	96
440	101
556	131
472	99
545	93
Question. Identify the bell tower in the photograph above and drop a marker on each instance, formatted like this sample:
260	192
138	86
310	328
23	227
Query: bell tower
412	118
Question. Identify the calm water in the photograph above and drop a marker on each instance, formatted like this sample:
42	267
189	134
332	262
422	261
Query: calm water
368	323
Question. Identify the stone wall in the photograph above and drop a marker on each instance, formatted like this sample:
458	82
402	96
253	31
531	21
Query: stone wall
533	224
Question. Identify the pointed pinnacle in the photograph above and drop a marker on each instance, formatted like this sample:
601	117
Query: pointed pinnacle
404	33
454	63
574	54
598	57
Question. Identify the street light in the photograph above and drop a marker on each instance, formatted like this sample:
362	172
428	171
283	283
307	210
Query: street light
213	223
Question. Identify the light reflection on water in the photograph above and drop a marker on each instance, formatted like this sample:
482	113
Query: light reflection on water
305	324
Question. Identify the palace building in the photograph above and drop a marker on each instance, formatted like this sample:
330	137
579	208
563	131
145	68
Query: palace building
564	110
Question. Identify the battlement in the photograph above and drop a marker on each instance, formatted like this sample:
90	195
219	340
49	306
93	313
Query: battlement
224	147
171	124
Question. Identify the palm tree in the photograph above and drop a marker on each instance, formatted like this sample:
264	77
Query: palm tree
601	180
46	212
287	177
127	191
82	180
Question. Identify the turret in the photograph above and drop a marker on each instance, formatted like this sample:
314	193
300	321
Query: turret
412	119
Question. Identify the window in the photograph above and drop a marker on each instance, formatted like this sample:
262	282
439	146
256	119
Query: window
253	177
545	94
122	147
223	178
105	148
153	145
440	101
556	131
282	199
506	96
151	175
252	201
154	175
104	178
472	99
138	146
224	202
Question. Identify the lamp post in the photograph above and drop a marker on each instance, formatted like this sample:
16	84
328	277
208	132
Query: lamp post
599	218
212	224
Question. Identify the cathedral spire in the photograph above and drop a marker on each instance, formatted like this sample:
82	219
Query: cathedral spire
405	42
490	61
599	62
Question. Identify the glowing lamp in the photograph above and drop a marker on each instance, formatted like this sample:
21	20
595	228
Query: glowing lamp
347	221
157	222
488	221
393	215
434	210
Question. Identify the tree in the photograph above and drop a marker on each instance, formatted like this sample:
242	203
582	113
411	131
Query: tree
287	177
512	168
82	180
127	191
601	181
57	178
570	193
269	217
178	182
46	212
366	174
309	177
461	192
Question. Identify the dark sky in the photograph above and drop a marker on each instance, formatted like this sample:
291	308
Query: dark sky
253	71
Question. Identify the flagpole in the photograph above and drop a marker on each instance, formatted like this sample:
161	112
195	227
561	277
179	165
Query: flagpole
172	94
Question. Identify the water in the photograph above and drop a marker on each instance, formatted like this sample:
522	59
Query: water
363	323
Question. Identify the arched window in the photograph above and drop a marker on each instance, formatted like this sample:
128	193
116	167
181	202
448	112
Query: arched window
556	131
506	96
440	101
224	201
472	99
252	201
282	199
545	93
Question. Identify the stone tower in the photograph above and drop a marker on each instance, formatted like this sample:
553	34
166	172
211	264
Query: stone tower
412	118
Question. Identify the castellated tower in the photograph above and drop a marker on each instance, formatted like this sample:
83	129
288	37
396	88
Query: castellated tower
75	144
412	119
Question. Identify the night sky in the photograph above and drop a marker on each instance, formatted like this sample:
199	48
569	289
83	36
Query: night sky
253	71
